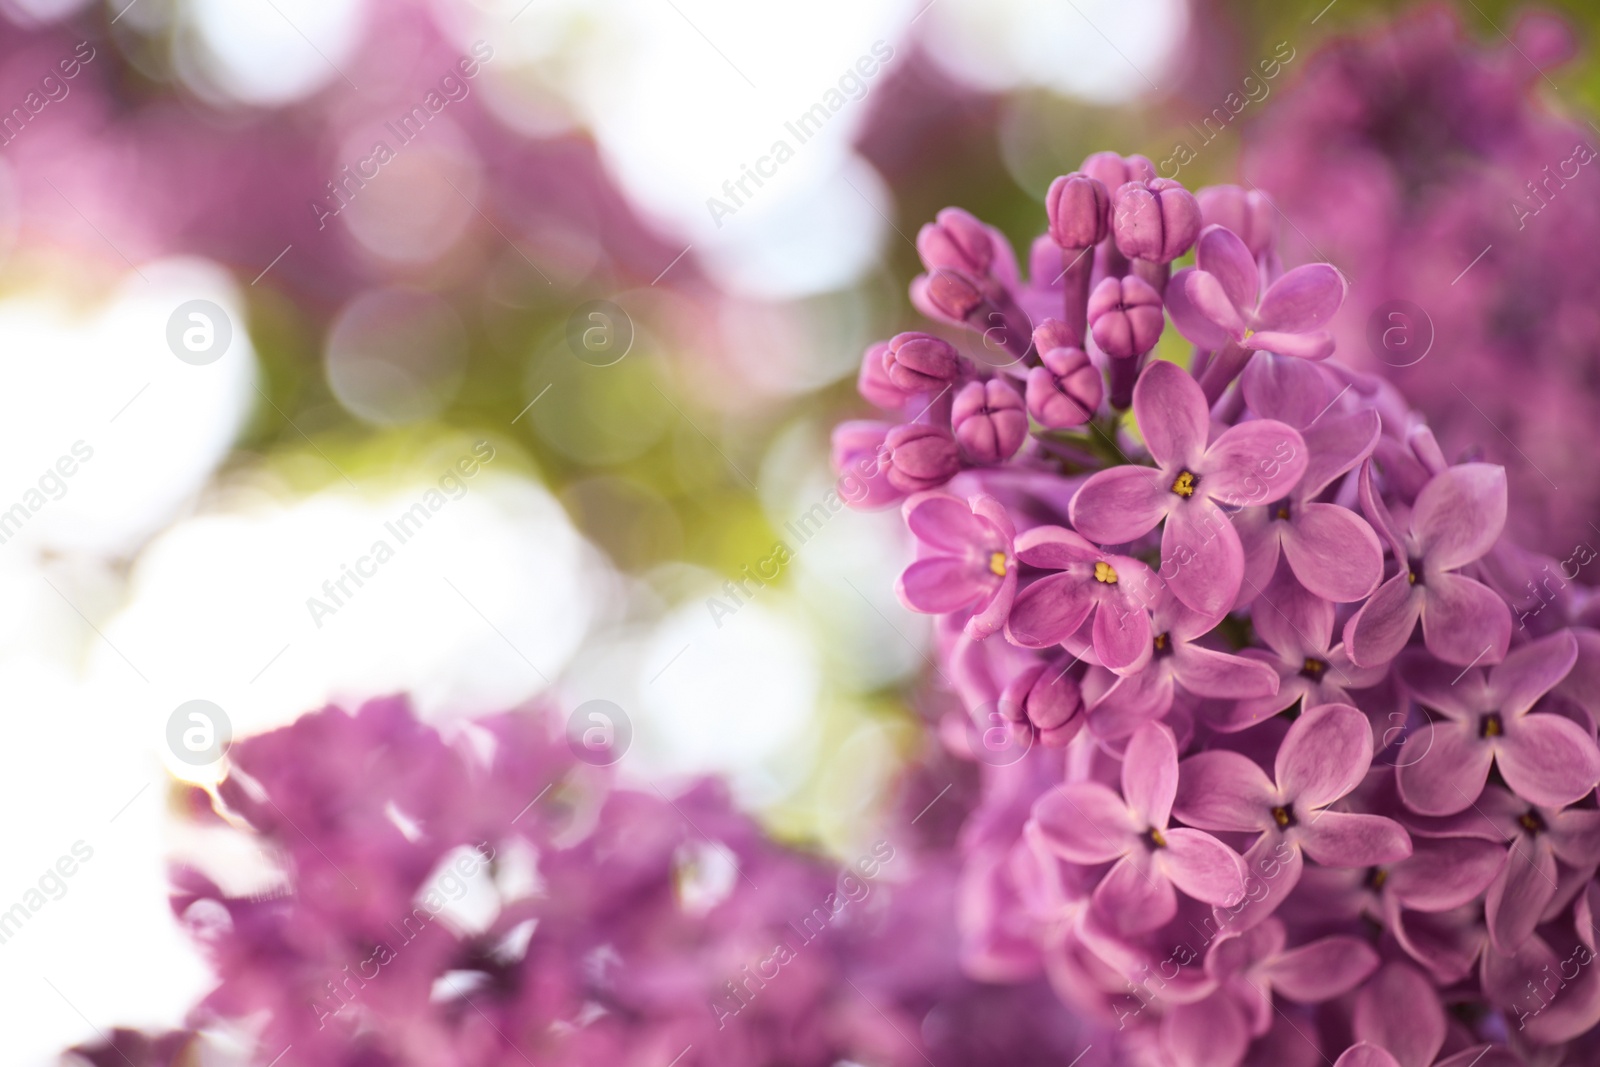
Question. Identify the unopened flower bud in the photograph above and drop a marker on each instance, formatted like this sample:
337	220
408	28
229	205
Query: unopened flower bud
1079	208
1066	391
860	456
1244	211
956	241
1114	171
1156	220
952	294
1047	698
1125	317
874	382
1053	333
920	361
920	457
990	420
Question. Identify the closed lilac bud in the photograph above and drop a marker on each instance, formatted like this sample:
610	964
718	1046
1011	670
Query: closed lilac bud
1047	698
1125	316
1244	211
1156	220
990	420
920	457
956	241
1066	391
951	294
1053	333
920	361
1079	208
1114	171
860	454
874	384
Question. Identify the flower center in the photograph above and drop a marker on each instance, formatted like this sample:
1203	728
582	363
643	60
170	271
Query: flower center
1154	839
1376	876
1104	572
1414	571
1313	668
1248	333
1532	822
1280	510
1183	485
1284	817
1491	726
997	564
1162	646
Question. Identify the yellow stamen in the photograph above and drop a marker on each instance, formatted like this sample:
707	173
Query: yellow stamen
1161	642
1281	817
1492	727
1104	572
1184	485
997	564
1378	877
1156	839
1248	333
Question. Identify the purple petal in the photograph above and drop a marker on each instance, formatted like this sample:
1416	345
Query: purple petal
1548	760
1273	867
1117	505
1172	413
1376	634
1399	1011
1324	755
944	583
1194	326
1122	637
1054	548
1337	443
1333	552
1574	836
1202	867
1260	534
1220	790
1308	346
1345	839
944	521
1202	561
992	618
1205	294
1459	694
1321	970
1377	513
1293	621
1464	621
1220	252
1302	300
1289	390
1084	822
1133	700
1519	895
1531	671
1459	514
1253	463
1134	897
1150	774
1450	772
1049	610
1207	673
1483	1056
1365	1055
1212	1033
1446	873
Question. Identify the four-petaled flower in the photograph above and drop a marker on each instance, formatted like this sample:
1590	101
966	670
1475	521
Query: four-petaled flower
1251	463
1115	589
965	560
1088	823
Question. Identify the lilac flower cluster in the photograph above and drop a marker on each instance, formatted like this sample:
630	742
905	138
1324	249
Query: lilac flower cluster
1271	773
623	927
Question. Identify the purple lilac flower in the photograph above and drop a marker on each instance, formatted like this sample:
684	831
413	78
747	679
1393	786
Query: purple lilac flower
1485	719
1192	480
1088	823
1454	522
967	563
1188	612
